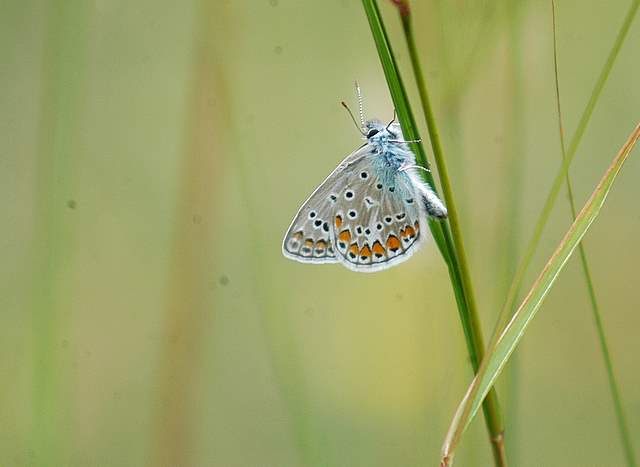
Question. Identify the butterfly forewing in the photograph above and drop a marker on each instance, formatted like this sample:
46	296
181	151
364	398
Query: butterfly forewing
310	235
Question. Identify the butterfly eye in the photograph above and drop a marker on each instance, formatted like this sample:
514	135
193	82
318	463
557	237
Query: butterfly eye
372	132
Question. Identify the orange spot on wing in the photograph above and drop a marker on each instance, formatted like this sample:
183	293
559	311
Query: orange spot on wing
416	224
308	243
297	236
410	231
393	243
365	252
321	245
338	221
345	236
378	249
354	249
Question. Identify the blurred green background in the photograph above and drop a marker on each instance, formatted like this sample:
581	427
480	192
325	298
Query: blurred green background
152	154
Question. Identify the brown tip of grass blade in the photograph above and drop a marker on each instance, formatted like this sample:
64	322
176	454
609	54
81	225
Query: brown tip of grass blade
403	7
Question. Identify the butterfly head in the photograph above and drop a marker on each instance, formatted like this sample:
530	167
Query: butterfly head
376	131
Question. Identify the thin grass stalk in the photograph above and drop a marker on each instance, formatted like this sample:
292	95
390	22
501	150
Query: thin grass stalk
405	116
493	416
283	349
188	311
509	337
456	81
400	99
623	428
510	229
456	260
523	266
58	142
438	154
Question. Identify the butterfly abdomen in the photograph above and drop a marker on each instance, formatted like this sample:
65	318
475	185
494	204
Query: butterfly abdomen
432	204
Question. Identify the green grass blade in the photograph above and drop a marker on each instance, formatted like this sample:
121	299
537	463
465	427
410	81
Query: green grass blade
407	121
450	245
439	230
499	354
604	347
523	266
493	414
401	103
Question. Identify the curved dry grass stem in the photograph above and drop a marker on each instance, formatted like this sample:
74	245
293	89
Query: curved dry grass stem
621	418
509	337
541	223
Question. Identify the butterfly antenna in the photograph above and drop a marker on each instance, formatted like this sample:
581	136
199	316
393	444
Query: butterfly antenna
392	120
360	105
355	122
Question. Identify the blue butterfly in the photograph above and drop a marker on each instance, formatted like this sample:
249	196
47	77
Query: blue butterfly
371	212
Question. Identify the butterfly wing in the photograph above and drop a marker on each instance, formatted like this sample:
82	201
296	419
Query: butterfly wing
309	238
381	220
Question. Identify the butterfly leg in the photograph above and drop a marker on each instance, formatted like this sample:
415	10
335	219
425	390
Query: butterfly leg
403	141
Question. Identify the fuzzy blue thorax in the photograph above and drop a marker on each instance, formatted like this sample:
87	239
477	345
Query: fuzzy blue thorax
389	153
390	150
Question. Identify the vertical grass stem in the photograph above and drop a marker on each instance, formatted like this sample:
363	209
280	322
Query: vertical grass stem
625	438
452	246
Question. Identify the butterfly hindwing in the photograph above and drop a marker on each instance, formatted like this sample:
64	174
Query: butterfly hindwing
379	219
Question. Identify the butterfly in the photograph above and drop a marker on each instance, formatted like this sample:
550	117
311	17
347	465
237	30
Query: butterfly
371	212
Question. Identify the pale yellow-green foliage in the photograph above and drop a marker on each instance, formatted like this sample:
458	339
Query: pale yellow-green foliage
152	155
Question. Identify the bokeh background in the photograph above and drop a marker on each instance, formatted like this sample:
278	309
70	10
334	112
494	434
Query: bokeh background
152	154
